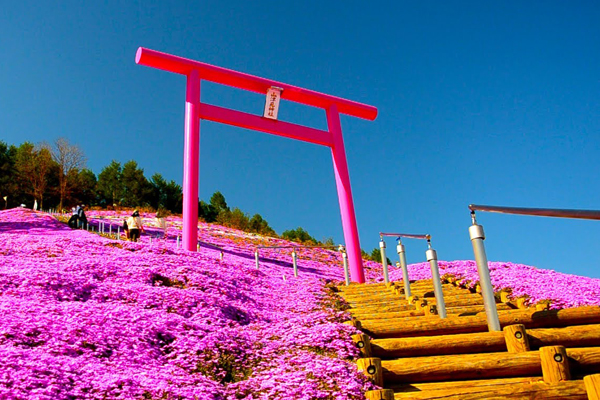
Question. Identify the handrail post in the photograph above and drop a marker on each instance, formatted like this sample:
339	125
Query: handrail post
402	256
295	262
386	277
256	257
437	282
487	291
345	262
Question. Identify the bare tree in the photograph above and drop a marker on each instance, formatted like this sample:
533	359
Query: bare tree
33	165
70	159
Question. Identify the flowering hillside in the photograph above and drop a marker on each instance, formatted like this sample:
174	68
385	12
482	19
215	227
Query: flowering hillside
86	316
83	316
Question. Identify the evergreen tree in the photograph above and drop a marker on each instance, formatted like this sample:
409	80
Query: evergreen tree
258	225
8	185
376	256
167	195
109	185
217	201
84	188
299	235
136	188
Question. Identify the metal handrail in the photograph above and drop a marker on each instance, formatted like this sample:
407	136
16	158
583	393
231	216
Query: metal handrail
340	248
540	212
406	235
298	247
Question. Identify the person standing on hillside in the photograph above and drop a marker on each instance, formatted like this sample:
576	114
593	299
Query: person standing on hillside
160	222
81	217
134	223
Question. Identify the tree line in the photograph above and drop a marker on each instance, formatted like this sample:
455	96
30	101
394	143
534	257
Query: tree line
55	175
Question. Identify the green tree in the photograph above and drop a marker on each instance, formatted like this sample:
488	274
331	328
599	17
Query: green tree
167	195
299	235
217	201
84	187
33	165
8	184
376	256
109	185
206	212
258	225
234	219
136	188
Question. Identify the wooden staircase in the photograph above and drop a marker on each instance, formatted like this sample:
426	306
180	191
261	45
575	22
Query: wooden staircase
412	353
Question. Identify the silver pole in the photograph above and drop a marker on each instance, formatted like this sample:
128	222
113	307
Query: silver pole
177	241
437	282
221	256
150	239
386	277
110	229
295	262
118	233
487	291
346	270
256	258
402	256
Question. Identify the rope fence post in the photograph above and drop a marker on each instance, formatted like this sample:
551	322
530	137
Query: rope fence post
402	256
295	262
431	255
256	258
487	291
342	249
386	277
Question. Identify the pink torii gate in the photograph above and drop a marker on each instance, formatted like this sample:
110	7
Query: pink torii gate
195	110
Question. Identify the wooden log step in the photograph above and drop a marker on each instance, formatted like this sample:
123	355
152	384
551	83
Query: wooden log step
388	294
391	296
400	327
353	288
571	336
459	311
403	389
470	299
482	365
403	305
574	390
393	307
484	342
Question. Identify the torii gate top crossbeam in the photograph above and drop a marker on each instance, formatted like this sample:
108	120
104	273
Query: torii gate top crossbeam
195	110
184	66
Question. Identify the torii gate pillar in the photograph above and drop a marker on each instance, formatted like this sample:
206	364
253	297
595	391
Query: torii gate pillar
195	71
191	162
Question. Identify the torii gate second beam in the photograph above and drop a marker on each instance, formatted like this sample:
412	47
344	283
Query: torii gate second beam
195	110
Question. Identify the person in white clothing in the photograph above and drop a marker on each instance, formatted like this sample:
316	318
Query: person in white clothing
161	223
134	224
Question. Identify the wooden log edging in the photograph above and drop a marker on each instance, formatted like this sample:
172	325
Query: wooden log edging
459	311
489	365
572	390
531	319
592	386
382	394
484	342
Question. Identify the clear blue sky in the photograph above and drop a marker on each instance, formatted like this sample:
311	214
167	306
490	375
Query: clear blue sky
478	103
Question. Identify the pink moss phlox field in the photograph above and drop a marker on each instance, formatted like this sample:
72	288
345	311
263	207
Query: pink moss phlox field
86	316
563	290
